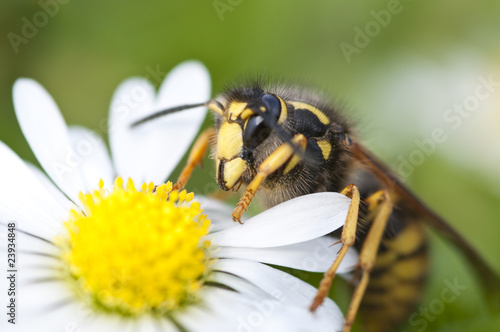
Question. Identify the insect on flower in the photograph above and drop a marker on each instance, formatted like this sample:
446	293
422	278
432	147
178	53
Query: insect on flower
284	142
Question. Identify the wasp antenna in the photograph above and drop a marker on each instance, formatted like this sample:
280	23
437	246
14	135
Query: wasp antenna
166	112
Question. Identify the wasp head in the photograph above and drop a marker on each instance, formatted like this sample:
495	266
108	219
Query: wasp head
244	121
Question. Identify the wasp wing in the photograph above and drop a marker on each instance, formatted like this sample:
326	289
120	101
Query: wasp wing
490	280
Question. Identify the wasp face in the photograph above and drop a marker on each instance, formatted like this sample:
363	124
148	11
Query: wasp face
243	124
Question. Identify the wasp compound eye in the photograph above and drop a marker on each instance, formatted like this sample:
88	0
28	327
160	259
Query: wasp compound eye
255	132
273	106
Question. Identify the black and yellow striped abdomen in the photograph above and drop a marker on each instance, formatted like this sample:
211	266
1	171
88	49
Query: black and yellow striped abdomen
398	277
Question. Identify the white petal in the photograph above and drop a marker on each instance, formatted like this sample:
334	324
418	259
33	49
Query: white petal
202	317
297	220
290	318
46	132
23	197
47	316
52	306
151	151
219	213
97	322
196	319
131	100
283	286
188	83
47	183
221	310
142	324
95	163
166	325
315	255
239	312
45	302
147	324
235	311
35	253
268	313
39	295
240	285
27	220
66	315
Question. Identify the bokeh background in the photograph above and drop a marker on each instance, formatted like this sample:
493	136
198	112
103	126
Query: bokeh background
400	69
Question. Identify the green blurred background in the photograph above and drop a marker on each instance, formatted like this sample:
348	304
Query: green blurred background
396	86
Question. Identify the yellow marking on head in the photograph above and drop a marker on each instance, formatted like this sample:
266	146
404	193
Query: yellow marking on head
236	109
232	171
284	111
213	105
246	114
321	116
326	148
229	141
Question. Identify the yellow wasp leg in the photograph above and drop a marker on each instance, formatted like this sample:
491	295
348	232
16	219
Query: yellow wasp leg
271	164
348	237
195	157
382	201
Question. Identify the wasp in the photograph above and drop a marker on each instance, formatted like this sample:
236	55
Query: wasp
283	142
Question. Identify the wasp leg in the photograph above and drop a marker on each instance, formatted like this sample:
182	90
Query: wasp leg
195	157
271	164
381	201
348	237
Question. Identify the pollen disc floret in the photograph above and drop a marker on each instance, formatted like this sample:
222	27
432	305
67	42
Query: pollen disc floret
135	251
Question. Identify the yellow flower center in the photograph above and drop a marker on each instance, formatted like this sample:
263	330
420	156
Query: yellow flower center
132	251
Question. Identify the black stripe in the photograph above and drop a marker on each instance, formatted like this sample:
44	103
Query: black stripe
377	289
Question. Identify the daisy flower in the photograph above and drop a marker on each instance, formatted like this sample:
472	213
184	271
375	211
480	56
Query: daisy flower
97	247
